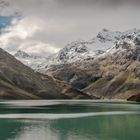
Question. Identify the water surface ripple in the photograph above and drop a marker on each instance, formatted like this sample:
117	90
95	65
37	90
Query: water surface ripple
69	120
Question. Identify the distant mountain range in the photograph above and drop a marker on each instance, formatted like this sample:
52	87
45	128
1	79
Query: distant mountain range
73	52
77	51
107	66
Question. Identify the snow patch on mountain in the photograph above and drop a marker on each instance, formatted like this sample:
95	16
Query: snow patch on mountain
74	51
30	60
22	54
127	42
107	35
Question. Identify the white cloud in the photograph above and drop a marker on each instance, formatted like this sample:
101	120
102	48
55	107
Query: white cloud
22	29
36	47
21	36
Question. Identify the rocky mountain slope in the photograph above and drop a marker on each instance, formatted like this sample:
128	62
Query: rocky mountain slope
112	72
115	74
18	81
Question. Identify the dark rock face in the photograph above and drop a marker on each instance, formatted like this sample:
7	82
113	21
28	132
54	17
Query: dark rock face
134	98
77	74
18	81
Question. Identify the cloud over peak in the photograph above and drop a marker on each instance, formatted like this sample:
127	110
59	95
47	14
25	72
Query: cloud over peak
45	26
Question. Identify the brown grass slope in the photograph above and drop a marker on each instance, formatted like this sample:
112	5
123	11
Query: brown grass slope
18	81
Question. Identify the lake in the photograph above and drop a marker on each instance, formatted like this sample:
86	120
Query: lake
69	120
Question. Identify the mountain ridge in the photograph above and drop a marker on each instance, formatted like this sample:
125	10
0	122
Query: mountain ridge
114	75
18	81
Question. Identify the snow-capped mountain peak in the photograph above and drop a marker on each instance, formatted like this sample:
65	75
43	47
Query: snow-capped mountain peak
22	54
106	42
132	32
129	41
32	61
107	35
73	50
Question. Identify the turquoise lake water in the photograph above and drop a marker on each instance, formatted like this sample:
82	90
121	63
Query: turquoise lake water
69	120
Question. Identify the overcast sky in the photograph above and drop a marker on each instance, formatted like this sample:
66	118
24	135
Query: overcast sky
48	25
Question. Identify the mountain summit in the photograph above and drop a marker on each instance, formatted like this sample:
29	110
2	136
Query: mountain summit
22	54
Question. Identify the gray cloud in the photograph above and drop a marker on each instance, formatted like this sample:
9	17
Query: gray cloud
59	22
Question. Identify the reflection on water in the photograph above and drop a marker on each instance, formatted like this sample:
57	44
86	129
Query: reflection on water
85	121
